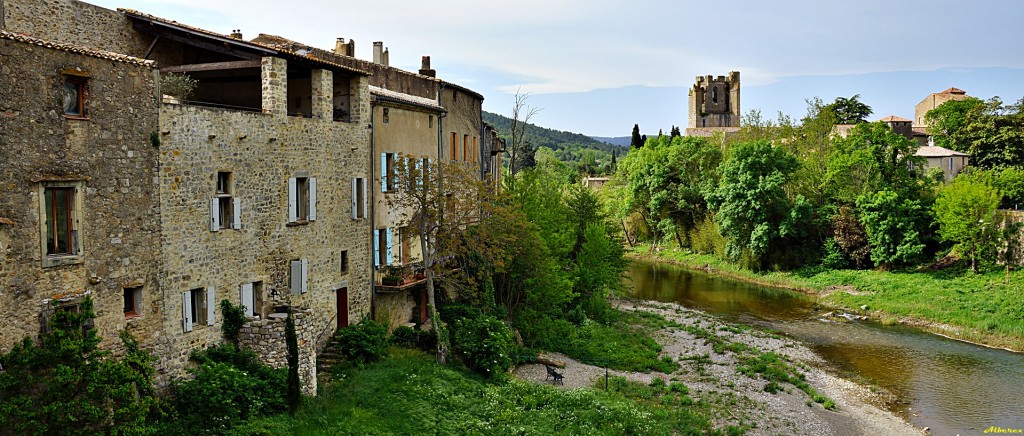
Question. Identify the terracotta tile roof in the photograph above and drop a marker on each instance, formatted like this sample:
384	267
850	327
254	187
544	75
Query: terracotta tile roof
71	48
919	131
228	39
954	91
894	119
406	98
936	151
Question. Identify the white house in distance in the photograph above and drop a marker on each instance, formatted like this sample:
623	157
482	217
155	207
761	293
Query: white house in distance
951	162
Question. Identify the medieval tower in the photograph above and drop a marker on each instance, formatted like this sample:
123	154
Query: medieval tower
715	101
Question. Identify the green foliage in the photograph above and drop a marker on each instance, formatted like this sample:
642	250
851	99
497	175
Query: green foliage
578	151
178	85
892	224
872	158
65	384
706	239
1010	181
364	342
966	213
291	340
834	256
991	132
234	319
635	141
774	368
850	110
850	241
409	337
229	386
484	344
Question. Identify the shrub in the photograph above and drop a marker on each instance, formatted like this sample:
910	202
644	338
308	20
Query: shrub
484	344
834	257
411	338
363	342
705	238
234	319
178	85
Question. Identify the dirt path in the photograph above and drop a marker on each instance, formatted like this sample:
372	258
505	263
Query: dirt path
713	377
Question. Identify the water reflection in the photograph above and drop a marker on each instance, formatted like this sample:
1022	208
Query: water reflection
950	386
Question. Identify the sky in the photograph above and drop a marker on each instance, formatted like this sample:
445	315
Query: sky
598	66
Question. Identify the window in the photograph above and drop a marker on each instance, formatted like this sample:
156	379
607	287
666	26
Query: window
465	148
132	302
951	164
60	208
451	147
251	298
225	210
75	97
299	277
70	305
386	116
197	307
358	198
474	149
344	261
382	239
388	175
301	199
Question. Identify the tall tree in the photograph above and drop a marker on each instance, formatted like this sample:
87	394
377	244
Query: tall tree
636	141
521	115
850	110
966	214
991	132
872	158
893	224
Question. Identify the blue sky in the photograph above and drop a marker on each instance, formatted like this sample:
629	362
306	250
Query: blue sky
598	66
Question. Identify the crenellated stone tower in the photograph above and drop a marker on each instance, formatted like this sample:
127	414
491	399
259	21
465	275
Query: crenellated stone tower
715	101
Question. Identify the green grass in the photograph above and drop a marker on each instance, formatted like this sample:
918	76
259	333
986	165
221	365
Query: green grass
773	367
409	393
983	307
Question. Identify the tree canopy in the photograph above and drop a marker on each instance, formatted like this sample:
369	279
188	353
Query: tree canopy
850	110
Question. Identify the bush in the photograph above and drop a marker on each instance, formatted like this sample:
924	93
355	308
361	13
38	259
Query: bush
705	238
234	319
363	342
484	344
411	338
178	85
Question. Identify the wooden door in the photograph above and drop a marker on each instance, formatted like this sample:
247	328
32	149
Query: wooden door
342	308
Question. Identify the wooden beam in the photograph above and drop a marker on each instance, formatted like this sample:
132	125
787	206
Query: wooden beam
200	41
212	66
149	51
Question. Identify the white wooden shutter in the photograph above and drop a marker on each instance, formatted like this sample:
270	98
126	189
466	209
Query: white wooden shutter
293	195
312	198
296	277
236	216
384	172
305	276
214	214
388	234
376	247
246	298
211	303
186	311
355	197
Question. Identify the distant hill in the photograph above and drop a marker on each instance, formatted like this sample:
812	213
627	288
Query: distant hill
622	141
554	139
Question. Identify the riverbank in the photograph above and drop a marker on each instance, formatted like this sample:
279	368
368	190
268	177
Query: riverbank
986	309
763	382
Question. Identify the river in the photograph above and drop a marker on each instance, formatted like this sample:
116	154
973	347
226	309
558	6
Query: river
949	386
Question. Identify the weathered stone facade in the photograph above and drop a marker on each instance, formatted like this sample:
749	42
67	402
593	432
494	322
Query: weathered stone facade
266	337
75	22
106	157
714	103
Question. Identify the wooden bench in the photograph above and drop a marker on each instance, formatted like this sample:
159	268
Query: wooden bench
554	375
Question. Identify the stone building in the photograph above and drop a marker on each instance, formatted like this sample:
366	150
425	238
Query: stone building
933	101
714	105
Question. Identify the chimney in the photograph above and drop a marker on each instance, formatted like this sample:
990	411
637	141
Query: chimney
340	47
236	34
425	67
378	52
386	57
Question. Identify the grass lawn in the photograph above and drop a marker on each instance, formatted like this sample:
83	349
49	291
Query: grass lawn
408	393
981	308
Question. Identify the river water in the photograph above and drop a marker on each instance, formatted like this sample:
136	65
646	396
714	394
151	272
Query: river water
950	386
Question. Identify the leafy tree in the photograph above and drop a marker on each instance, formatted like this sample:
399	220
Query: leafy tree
64	384
872	158
991	132
850	238
636	140
966	214
750	200
892	224
1010	182
519	148
850	110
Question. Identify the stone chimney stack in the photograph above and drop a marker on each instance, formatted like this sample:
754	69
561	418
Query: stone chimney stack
378	52
425	69
343	48
236	34
386	57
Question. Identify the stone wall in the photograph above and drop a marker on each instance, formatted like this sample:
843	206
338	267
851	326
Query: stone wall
266	337
76	22
1016	216
261	152
109	156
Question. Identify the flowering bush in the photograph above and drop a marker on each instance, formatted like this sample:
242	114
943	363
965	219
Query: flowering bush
484	344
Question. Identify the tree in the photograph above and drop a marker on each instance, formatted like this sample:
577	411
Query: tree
892	224
292	342
521	115
636	141
675	132
850	110
991	132
752	208
872	158
966	213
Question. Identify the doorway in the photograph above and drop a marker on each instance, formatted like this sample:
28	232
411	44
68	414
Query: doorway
342	298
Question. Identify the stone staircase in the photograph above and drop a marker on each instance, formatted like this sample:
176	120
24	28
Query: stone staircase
328	358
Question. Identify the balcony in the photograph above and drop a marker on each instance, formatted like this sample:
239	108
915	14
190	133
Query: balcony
397	278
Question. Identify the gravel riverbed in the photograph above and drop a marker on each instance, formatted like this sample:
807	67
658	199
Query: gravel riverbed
713	377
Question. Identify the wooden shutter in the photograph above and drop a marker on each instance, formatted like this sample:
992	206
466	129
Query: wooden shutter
312	198
296	277
355	198
186	310
293	195
383	172
246	298
236	216
214	214
305	276
388	234
211	303
363	211
376	247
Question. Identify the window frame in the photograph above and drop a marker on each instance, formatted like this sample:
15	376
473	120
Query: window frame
302	199
81	83
359	196
135	294
75	246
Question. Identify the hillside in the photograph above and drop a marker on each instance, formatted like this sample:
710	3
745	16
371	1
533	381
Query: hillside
622	141
553	139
